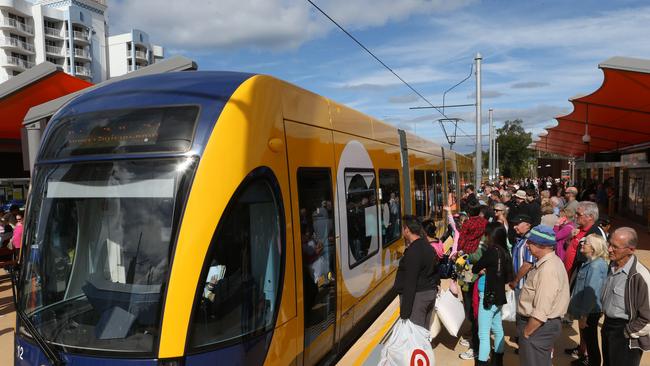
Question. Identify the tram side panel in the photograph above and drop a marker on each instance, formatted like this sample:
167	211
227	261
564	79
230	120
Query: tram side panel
311	170
247	141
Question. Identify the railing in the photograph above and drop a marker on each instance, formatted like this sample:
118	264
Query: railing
53	49
78	53
17	61
13	42
18	25
141	54
79	35
53	32
82	71
136	67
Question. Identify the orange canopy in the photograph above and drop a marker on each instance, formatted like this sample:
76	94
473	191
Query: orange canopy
616	115
15	105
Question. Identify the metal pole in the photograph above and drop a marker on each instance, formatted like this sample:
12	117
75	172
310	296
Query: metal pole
491	148
496	158
478	163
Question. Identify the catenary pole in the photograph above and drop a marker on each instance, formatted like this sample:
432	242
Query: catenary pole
478	162
491	148
496	158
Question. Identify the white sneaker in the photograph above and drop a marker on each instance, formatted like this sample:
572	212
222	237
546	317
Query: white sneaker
463	342
467	355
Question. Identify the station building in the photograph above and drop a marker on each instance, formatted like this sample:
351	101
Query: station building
607	138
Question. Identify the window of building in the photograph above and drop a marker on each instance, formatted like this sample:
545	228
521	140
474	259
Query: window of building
240	289
391	210
361	207
81	16
51	59
16	73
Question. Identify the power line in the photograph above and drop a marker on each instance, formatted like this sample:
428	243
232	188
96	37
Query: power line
380	61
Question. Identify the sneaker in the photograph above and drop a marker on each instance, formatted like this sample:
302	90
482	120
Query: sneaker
584	361
573	352
463	342
467	355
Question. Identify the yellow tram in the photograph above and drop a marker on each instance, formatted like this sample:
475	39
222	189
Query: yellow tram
199	218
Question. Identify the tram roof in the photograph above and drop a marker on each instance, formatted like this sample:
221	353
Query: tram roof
615	116
37	85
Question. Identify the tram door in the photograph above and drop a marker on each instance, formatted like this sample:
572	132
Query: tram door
311	165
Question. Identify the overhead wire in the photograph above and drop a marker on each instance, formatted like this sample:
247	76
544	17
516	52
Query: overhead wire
382	63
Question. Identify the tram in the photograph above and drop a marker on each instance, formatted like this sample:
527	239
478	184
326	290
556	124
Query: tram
215	218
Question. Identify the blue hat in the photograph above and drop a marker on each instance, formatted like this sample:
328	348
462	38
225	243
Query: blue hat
542	235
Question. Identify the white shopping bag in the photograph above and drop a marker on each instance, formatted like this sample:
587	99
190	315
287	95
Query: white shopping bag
451	312
509	309
435	327
408	344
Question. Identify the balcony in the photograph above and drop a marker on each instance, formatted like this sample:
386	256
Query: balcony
13	23
141	55
53	50
79	36
79	53
52	32
16	44
136	67
18	62
82	71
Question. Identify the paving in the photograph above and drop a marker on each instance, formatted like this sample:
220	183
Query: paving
446	347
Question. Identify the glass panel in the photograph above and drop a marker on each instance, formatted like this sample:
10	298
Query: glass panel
318	260
241	283
168	129
420	194
391	209
97	251
362	214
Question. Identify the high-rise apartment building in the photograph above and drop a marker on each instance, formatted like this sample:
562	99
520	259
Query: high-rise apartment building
131	51
69	33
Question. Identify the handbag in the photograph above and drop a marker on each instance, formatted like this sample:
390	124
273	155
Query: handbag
450	312
446	268
509	309
490	297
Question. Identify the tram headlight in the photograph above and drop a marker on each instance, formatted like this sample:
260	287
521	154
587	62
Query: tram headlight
183	165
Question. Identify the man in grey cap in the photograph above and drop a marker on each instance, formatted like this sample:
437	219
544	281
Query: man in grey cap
543	299
571	202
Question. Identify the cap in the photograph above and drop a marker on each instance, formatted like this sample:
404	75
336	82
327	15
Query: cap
573	190
542	235
520	194
522	218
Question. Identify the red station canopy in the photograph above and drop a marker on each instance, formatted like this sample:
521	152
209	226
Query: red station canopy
33	87
615	116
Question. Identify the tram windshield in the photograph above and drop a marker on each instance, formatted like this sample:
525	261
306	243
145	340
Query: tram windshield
98	246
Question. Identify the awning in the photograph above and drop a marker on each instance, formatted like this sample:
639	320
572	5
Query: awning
615	116
35	86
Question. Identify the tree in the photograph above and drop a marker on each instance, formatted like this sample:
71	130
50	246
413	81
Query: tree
514	156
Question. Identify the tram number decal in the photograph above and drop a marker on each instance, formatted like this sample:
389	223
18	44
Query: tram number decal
419	358
19	352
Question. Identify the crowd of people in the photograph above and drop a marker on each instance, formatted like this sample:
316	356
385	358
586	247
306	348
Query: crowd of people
550	244
11	232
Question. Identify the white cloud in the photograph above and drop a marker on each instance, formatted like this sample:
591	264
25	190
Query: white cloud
260	24
383	77
529	85
403	99
486	94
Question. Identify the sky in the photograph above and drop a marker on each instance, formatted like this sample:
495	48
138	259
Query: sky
536	54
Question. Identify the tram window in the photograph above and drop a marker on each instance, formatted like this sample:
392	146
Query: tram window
361	207
434	194
143	130
420	194
238	295
391	210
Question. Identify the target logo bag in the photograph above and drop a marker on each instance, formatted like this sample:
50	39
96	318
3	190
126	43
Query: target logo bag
407	345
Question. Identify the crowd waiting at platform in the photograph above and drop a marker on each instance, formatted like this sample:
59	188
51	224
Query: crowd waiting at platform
11	232
552	245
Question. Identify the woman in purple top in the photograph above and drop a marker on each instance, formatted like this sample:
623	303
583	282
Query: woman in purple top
563	229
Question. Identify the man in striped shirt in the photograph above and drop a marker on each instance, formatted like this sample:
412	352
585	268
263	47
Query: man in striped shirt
522	259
